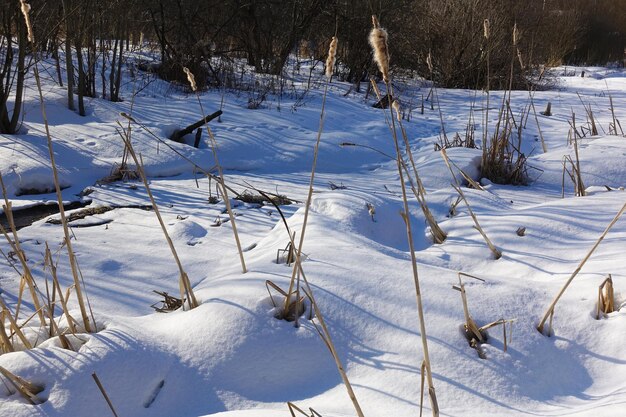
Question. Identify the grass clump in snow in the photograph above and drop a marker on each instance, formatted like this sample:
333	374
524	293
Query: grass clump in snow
606	298
503	161
475	335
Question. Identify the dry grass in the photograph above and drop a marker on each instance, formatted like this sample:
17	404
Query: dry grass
477	335
26	389
168	304
497	254
606	298
104	393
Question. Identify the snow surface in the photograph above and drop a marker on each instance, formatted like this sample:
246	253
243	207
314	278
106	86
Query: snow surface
230	357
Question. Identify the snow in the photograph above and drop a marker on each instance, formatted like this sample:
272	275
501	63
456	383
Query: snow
230	357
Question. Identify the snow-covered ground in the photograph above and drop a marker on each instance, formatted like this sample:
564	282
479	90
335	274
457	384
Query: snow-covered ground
230	357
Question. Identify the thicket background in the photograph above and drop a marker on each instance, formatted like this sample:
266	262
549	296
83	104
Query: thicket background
90	39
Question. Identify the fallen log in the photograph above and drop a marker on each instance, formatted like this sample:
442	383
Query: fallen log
178	135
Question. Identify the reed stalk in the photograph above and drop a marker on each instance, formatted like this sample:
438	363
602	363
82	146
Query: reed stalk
220	172
55	175
186	291
16	247
378	41
307	204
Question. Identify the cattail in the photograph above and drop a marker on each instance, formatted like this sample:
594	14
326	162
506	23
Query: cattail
486	28
330	60
519	57
429	62
26	12
515	34
378	42
396	107
191	79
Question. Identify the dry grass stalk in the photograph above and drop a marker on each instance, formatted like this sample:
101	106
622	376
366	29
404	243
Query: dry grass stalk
475	334
65	342
580	186
591	121
470	324
104	393
503	323
470	181
326	338
616	123
286	255
486	34
550	311
49	263
26	276
606	298
307	204
378	49
503	162
7	345
186	291
574	175
168	304
16	248
544	147
497	254
27	389
220	172
55	175
439	236
15	328
422	380
294	408
324	333
294	310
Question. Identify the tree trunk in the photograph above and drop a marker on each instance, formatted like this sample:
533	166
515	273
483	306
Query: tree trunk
69	66
21	72
81	76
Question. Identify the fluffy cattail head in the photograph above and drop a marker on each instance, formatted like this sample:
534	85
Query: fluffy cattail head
29	27
515	34
429	62
378	42
191	79
486	28
396	107
330	60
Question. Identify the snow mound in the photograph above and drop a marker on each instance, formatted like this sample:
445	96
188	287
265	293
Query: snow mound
376	218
